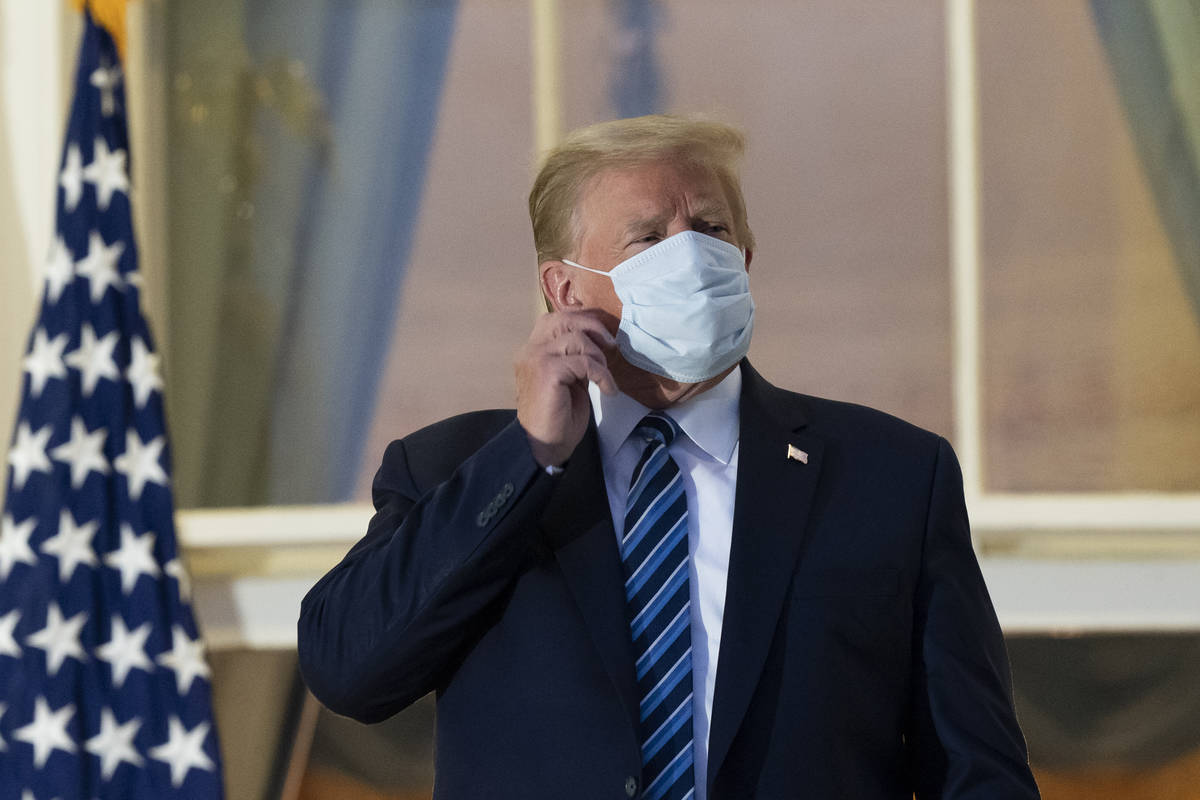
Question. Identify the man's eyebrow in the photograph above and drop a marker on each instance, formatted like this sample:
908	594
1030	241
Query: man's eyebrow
713	208
706	210
641	224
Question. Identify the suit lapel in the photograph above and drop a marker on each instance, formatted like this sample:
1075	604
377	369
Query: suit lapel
773	500
578	525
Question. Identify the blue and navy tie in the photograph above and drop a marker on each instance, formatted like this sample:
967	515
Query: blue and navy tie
654	551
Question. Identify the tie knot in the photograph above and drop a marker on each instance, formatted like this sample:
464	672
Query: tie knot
657	427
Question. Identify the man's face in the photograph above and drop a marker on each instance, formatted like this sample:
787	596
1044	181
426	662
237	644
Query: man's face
622	212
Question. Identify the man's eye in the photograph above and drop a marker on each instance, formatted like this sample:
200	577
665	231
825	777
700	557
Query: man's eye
716	228
650	237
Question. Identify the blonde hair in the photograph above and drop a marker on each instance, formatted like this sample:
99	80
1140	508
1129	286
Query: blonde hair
588	151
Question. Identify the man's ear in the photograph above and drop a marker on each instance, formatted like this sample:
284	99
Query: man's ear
557	286
749	257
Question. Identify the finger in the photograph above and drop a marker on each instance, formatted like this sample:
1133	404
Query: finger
594	368
559	360
588	321
599	374
592	323
602	337
579	368
565	341
570	369
575	343
597	362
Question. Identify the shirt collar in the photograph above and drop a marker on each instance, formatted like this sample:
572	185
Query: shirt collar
710	419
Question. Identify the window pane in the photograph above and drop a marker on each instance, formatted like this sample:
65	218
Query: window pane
845	181
350	257
1092	349
845	177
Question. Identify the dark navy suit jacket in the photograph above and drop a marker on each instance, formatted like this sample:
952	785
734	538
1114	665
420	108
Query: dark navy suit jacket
860	654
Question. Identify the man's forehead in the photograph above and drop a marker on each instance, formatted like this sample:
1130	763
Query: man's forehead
645	191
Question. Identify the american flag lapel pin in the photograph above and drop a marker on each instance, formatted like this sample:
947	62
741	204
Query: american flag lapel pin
796	454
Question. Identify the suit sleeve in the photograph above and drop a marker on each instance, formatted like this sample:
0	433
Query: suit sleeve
390	622
965	741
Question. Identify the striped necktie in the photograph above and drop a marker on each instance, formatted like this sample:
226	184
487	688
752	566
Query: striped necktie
654	552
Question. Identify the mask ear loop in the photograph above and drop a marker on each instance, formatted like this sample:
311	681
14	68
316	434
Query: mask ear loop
585	269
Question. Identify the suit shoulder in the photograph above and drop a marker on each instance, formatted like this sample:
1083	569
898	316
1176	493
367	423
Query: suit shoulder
429	455
473	426
878	447
838	420
858	423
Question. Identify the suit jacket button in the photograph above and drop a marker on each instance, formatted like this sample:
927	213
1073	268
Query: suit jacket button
483	518
630	786
507	491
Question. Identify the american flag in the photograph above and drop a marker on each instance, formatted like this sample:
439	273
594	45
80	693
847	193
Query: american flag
104	687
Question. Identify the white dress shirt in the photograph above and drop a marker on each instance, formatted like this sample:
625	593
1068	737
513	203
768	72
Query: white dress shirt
707	455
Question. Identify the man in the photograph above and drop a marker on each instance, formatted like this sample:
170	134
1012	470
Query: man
664	577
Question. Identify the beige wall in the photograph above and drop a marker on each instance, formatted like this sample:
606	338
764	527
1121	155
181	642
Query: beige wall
33	68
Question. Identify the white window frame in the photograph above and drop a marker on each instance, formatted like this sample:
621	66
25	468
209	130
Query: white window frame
1076	562
1053	562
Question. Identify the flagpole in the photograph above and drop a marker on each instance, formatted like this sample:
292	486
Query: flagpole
545	32
547	105
965	236
146	80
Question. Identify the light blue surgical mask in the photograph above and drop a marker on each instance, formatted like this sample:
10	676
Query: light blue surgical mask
686	308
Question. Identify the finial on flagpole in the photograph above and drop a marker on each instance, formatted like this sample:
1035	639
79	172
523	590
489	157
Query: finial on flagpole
110	15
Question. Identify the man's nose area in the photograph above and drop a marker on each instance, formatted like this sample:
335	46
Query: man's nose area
681	222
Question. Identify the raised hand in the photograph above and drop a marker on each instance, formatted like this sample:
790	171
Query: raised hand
564	352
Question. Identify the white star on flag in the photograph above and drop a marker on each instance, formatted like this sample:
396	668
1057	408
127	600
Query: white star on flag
94	358
107	172
84	451
183	750
59	269
28	795
139	463
71	178
135	557
8	642
125	650
47	731
14	544
106	78
99	266
60	638
142	373
29	453
45	360
114	743
72	545
175	569
186	658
